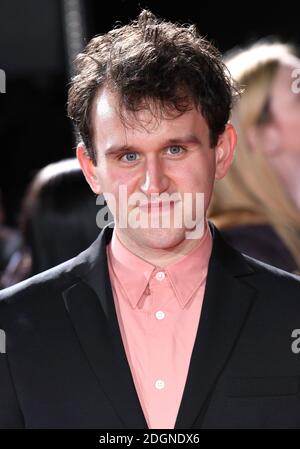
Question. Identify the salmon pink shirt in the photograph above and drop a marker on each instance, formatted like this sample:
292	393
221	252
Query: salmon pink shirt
158	311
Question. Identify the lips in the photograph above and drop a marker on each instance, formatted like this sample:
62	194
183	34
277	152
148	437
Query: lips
157	205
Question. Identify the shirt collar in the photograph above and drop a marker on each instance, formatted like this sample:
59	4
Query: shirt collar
185	275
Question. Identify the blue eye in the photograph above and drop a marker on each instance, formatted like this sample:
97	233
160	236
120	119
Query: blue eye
130	157
175	149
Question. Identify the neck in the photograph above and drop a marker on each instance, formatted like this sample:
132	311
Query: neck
161	257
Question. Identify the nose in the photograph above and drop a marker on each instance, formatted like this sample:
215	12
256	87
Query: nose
154	178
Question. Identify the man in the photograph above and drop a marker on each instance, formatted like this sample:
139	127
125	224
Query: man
159	324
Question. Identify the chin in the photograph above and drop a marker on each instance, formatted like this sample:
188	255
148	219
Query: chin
159	238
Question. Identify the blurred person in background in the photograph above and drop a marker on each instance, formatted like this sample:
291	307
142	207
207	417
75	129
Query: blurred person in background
257	205
57	220
10	242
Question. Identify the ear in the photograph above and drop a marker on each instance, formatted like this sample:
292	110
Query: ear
88	168
224	151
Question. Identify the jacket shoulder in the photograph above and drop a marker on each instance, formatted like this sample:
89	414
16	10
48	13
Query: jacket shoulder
36	295
55	279
274	283
271	271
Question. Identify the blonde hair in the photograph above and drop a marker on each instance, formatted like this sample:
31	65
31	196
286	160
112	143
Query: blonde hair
251	193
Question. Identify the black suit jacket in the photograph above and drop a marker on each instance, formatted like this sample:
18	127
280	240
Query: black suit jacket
65	364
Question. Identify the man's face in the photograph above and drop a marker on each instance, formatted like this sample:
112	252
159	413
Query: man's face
172	156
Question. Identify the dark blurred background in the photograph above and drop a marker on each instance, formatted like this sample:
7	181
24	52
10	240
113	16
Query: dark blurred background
38	41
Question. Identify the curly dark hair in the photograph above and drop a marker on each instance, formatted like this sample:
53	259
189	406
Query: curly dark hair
152	64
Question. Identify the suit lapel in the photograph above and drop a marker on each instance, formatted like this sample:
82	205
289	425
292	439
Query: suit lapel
226	305
91	307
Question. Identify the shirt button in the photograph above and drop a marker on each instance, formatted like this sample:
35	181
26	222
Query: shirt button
160	276
160	315
159	384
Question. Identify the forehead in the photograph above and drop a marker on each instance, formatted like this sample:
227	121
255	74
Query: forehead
108	124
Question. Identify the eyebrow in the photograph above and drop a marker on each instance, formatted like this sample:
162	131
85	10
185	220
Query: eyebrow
119	149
